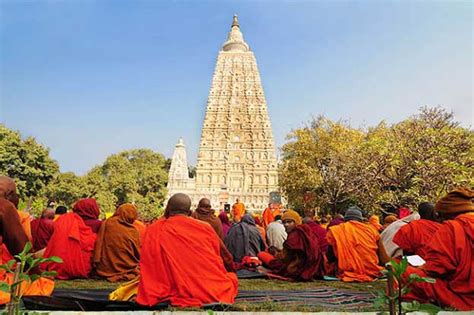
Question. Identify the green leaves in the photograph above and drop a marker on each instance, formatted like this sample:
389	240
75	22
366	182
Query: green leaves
5	287
420	158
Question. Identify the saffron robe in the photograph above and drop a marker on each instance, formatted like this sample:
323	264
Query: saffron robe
13	236
450	260
238	211
355	245
181	263
41	230
73	241
269	215
302	258
25	219
117	249
415	237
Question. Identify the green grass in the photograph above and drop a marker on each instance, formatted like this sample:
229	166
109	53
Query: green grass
256	284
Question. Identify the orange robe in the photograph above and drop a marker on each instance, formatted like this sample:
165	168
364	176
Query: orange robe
450	260
42	286
117	249
25	220
375	221
181	263
415	237
355	245
238	211
73	241
269	215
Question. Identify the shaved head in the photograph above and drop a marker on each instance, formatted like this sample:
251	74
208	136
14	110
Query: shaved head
48	214
8	190
427	211
204	203
178	204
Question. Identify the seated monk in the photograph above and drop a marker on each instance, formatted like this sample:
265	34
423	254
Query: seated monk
449	256
244	239
181	261
415	237
356	248
73	241
205	213
60	210
42	229
374	220
226	224
88	210
301	258
276	234
392	249
117	249
14	238
270	213
317	230
238	210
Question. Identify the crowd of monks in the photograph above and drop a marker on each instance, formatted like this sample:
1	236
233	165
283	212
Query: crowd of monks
190	258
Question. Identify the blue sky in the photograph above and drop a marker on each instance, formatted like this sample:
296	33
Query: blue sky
92	78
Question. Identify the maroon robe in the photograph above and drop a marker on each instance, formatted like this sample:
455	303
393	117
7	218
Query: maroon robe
41	230
320	234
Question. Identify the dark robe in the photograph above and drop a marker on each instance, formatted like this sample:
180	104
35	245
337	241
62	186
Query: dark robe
320	234
41	230
244	239
226	224
207	215
13	235
335	221
301	258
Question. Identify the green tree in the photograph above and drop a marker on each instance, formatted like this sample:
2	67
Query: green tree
27	162
418	159
137	176
66	189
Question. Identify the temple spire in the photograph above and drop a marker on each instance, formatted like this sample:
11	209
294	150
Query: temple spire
235	40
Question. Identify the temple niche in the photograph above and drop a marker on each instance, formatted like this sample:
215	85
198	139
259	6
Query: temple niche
237	157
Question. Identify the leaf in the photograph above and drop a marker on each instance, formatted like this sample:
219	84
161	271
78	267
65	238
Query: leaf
49	274
54	259
34	277
26	249
5	287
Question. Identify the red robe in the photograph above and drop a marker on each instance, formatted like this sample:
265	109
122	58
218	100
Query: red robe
181	263
320	234
73	241
41	230
450	260
415	237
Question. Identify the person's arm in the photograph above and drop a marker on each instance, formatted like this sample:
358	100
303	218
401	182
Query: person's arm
13	235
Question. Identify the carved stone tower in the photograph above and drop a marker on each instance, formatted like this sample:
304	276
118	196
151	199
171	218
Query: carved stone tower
178	179
237	153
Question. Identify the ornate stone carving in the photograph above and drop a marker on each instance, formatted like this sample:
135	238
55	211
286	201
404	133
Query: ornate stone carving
236	153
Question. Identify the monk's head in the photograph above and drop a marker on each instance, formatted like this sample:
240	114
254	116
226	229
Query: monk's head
353	214
457	202
127	213
427	211
291	219
237	200
8	190
47	214
60	210
204	203
178	204
309	214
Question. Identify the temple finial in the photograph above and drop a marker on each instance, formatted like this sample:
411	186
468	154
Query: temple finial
235	40
235	21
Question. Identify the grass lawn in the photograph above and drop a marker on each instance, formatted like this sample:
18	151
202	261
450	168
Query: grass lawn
256	284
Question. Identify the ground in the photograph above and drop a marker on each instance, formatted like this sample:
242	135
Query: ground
261	285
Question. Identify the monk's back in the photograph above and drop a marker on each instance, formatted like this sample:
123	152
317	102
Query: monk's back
181	263
356	250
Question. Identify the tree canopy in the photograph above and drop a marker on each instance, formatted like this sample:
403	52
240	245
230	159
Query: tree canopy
418	159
